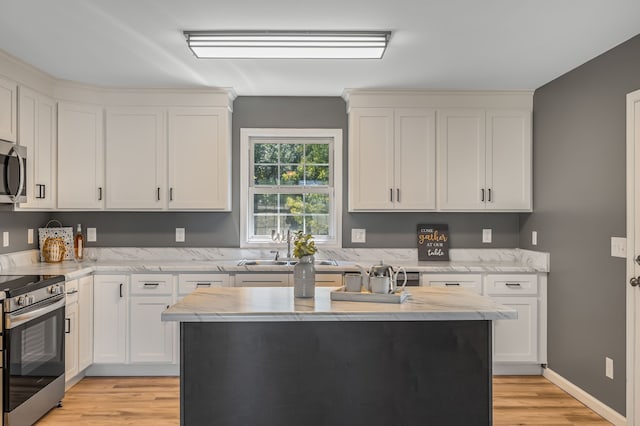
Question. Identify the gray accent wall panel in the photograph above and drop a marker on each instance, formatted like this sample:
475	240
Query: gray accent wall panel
579	143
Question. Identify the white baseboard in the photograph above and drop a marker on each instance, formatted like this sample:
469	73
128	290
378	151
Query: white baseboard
508	369
604	410
133	370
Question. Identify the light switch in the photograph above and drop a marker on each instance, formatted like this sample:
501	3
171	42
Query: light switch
358	235
486	235
29	236
91	235
618	247
179	235
5	239
534	238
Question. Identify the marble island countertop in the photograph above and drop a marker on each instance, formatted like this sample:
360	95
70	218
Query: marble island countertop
277	304
135	260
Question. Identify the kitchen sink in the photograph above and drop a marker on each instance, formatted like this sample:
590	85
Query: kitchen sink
271	262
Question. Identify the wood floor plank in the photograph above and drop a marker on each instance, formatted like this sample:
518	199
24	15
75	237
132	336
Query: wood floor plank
155	401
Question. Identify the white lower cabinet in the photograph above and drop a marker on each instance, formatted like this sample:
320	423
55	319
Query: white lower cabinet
518	344
110	319
188	283
85	322
151	338
71	330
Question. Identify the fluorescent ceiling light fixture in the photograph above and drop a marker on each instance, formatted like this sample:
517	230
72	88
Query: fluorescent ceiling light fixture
288	44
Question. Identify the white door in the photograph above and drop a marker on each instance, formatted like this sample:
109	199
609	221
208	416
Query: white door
8	110
371	163
633	251
71	340
415	161
136	158
110	319
85	322
461	159
151	338
37	129
508	153
80	157
199	159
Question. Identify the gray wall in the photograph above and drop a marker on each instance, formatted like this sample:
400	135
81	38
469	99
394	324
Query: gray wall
222	229
580	202
17	223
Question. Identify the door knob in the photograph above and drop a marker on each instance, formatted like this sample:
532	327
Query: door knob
634	281
638	259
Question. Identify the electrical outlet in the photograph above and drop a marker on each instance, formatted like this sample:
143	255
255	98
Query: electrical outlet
486	235
29	236
534	238
91	235
179	235
618	247
5	239
608	367
358	235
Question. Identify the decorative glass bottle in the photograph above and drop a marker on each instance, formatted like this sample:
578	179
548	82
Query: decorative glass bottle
304	277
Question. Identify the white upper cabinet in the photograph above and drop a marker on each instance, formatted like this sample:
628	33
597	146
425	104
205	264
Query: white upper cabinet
37	132
8	110
392	159
80	156
484	160
136	158
199	159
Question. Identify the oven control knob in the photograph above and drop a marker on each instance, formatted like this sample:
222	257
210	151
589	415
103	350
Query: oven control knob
21	301
30	299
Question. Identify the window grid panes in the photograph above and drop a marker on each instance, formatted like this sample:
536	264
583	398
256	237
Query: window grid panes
291	187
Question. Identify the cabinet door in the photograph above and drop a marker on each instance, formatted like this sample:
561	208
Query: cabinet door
151	338
517	340
371	163
71	341
85	322
461	159
508	142
80	157
415	161
110	319
136	158
8	110
37	130
199	159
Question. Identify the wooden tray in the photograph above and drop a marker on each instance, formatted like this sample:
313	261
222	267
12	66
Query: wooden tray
351	296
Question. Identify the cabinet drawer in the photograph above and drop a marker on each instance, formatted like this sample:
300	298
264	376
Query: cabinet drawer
511	285
328	280
188	283
262	280
151	284
469	281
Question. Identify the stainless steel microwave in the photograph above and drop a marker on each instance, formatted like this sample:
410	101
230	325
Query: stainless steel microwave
13	173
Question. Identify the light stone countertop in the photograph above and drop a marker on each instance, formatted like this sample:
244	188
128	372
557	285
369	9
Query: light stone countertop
136	260
277	304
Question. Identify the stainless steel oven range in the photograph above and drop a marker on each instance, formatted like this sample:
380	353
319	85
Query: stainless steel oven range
32	346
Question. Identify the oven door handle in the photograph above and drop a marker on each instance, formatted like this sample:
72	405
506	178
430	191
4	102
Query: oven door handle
14	320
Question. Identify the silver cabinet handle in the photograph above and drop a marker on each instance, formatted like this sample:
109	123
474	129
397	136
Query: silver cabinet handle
452	284
513	285
151	285
398	194
15	197
203	284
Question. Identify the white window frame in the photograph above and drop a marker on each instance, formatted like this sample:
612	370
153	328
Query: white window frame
246	134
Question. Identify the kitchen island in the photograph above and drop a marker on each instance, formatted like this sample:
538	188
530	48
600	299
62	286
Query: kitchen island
259	356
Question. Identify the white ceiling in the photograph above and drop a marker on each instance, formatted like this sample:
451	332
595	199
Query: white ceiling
435	44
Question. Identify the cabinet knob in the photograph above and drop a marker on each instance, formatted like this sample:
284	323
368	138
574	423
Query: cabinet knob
634	281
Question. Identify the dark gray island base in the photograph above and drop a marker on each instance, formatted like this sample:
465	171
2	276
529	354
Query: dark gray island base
306	373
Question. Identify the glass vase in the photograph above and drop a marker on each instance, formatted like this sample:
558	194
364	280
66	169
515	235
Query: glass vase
304	277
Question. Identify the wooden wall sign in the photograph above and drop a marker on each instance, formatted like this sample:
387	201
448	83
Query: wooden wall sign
433	242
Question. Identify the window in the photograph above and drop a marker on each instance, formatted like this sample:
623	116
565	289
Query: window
290	181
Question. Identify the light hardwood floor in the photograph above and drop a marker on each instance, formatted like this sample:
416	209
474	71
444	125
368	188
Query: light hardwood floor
146	401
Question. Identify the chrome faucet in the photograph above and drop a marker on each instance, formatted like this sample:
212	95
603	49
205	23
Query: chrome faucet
288	244
277	254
